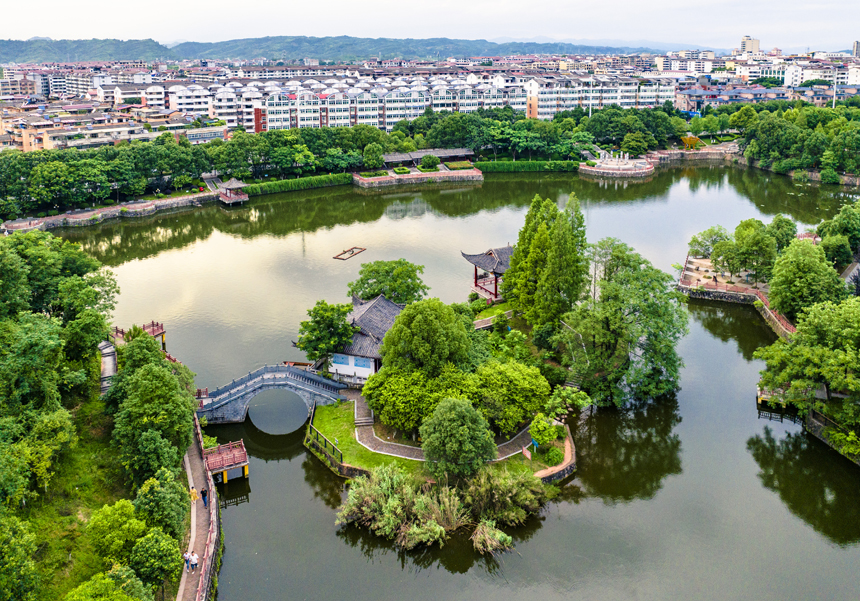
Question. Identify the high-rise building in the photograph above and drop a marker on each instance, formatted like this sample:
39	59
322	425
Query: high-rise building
749	45
856	51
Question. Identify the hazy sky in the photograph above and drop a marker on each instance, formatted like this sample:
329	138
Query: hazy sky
826	24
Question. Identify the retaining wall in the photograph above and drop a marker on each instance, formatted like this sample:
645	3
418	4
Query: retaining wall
463	175
738	298
597	171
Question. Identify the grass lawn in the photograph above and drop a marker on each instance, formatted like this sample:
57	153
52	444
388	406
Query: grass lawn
338	422
88	477
496	309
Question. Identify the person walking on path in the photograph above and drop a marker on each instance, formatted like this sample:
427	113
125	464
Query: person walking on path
203	495
194	560
194	496
187	557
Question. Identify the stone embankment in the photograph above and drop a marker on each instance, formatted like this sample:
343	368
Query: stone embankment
96	216
441	176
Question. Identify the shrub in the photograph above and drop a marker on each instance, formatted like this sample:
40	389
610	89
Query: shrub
457	439
489	539
457	165
506	497
11	217
123	210
542	430
427	169
53	212
541	336
591	163
525	166
556	376
837	250
302	183
801	176
478	305
430	162
473	296
402	170
829	176
373	173
553	456
40	215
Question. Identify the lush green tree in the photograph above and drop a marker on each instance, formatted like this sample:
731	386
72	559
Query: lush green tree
51	434
98	588
326	332
563	279
154	452
845	223
542	430
155	402
756	249
400	281
783	230
456	439
635	143
743	119
426	335
129	583
620	342
31	355
155	558
14	289
509	393
114	530
373	156
837	250
518	279
14	469
19	578
161	502
702	244
822	353
802	277
429	161
726	257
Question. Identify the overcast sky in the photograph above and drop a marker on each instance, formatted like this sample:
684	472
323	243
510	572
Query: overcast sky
827	24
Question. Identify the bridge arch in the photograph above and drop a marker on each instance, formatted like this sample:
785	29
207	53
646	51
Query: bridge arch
229	404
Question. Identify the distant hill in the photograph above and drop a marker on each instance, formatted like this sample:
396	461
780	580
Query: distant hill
350	48
284	47
46	50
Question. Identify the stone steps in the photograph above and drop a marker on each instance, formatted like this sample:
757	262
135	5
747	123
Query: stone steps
364	421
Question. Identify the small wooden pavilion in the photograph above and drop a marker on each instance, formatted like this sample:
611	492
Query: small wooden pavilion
492	264
231	192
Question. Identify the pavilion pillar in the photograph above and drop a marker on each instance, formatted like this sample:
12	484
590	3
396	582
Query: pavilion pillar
476	276
245	470
496	287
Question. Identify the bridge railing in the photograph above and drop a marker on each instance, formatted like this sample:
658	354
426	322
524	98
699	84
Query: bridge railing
294	372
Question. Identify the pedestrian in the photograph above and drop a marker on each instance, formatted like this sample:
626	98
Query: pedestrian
203	495
194	496
194	560
187	557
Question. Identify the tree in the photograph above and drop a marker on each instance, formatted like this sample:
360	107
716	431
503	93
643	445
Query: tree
635	143
802	277
783	230
19	579
846	222
399	281
429	161
743	119
129	583
155	401
14	289
373	156
697	126
153	453
456	440
822	352
837	250
509	393
426	335
620	341
563	280
156	557
519	278
326	332
755	248
702	244
725	257
161	502
542	430
114	530
98	588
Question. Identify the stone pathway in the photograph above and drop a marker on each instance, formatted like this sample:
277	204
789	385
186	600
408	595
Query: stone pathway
368	438
199	524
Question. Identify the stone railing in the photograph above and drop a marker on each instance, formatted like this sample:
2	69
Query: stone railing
463	175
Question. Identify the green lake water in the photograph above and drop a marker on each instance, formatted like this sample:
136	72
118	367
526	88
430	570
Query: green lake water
693	497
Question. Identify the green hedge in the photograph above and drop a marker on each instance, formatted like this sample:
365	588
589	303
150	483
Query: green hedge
427	169
302	183
402	170
519	166
373	173
458	165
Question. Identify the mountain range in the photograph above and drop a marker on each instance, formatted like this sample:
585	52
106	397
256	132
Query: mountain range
286	47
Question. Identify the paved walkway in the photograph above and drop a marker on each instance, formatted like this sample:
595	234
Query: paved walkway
368	438
199	524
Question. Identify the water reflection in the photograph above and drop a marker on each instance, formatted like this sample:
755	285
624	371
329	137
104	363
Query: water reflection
626	454
818	486
728	321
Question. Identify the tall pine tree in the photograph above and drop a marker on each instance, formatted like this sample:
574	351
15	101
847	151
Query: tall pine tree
520	277
563	279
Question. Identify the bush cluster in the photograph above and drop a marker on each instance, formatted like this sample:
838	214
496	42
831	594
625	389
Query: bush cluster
402	170
458	165
302	183
525	166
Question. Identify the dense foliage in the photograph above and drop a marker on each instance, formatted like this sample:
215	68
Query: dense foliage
400	281
326	331
456	439
802	277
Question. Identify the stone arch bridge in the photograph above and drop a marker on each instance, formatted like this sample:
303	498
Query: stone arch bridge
229	404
